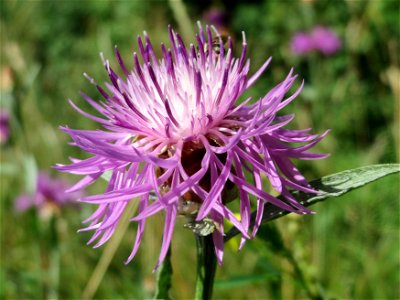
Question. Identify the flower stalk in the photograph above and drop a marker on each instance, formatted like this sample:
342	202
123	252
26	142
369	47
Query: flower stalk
206	267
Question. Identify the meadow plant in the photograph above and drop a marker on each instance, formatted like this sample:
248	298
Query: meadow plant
320	39
49	196
181	148
179	139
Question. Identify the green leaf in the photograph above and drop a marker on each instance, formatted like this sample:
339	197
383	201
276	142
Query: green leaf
241	280
164	275
329	186
343	182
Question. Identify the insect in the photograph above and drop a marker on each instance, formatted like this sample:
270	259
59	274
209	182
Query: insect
187	207
221	41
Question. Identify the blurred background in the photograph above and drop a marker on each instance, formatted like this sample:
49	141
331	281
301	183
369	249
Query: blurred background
349	249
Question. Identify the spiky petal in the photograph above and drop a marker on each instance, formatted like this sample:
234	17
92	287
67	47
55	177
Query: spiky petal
174	131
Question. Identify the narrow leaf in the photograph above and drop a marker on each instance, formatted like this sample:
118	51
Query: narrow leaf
329	186
164	275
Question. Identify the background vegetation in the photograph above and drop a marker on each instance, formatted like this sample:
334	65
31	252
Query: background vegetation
349	249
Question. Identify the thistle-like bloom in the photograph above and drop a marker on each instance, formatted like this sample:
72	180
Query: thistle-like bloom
48	197
326	40
302	43
321	39
178	139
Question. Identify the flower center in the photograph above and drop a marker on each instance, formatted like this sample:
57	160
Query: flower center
192	156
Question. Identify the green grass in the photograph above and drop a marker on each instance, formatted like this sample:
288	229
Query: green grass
349	249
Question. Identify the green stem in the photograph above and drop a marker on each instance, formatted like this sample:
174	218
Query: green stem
164	276
206	267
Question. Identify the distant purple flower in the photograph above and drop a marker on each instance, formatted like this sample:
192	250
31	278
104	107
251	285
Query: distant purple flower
49	195
4	126
302	43
178	140
325	40
217	17
320	39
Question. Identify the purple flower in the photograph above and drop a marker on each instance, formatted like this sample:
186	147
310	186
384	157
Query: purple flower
320	39
302	43
49	196
325	40
178	140
217	17
4	127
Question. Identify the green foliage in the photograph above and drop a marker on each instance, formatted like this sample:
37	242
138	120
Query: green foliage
328	187
348	250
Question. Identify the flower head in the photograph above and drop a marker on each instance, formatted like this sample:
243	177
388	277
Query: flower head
302	43
321	39
48	197
326	40
177	140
